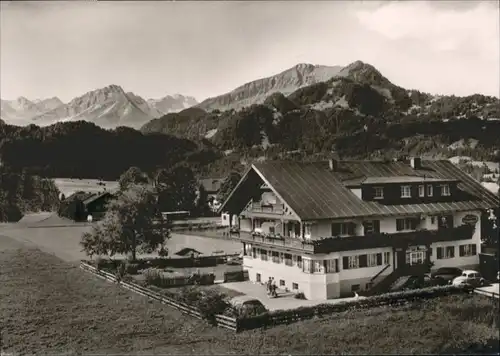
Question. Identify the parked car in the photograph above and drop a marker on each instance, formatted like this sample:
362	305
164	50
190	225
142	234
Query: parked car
471	278
417	282
233	261
445	275
246	306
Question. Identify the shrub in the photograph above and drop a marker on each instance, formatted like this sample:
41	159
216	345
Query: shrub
284	316
156	278
132	268
300	295
210	303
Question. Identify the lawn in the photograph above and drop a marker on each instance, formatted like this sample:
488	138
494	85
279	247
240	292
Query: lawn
68	186
49	306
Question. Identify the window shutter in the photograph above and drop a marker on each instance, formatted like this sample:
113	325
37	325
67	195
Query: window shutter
461	250
363	261
376	226
379	259
474	249
335	229
439	252
400	224
413	224
345	263
336	265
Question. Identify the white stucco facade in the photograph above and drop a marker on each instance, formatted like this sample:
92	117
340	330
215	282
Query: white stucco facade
340	282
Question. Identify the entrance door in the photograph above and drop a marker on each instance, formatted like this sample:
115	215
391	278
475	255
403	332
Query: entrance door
400	259
259	278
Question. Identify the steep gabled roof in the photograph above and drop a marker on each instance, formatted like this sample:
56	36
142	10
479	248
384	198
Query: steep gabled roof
314	192
94	197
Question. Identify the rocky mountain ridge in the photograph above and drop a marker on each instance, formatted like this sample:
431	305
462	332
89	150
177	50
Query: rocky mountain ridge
107	107
257	91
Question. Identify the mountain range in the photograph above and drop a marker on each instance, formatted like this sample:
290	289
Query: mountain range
108	107
306	94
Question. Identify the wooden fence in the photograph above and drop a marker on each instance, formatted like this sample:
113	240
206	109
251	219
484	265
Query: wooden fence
221	320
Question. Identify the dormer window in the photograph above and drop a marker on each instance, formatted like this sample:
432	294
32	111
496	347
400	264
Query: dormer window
379	193
421	191
445	190
405	191
430	190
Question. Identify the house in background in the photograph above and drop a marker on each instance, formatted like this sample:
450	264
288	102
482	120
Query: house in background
212	187
329	229
80	205
95	204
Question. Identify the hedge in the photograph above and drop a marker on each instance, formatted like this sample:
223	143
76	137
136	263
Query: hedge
277	317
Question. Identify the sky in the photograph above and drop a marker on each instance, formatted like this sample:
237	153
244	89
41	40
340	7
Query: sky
204	48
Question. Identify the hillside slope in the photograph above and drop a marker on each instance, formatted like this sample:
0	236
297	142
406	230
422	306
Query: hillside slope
257	91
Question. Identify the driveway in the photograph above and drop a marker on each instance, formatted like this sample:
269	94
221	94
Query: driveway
491	290
63	241
285	300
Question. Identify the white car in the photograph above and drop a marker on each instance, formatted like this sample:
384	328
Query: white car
471	278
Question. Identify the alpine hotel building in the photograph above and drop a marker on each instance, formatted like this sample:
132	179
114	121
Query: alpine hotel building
328	229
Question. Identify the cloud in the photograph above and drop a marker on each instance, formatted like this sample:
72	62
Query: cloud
462	29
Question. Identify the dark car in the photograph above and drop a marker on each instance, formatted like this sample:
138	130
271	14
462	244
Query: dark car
446	275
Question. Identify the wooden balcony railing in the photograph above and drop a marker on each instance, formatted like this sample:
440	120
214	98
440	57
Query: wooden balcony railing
337	244
273	240
278	209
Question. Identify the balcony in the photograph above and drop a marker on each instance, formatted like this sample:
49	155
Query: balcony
337	244
274	241
275	209
402	239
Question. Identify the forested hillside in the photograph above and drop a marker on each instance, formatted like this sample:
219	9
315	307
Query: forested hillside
360	114
84	150
22	192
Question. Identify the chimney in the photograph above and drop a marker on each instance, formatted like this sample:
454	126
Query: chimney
416	162
333	164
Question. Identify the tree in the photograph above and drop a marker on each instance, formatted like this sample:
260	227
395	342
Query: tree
133	175
176	189
202	201
133	223
228	185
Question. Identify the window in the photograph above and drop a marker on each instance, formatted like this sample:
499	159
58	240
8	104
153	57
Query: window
332	266
467	250
445	221
282	257
387	258
355	287
372	227
295	286
405	191
445	190
299	261
254	252
378	193
421	191
259	277
445	252
288	259
282	283
450	251
307	266
276	257
342	229
350	262
430	190
373	259
318	267
263	255
406	224
415	257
